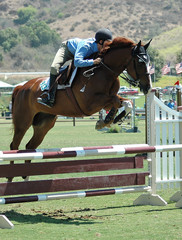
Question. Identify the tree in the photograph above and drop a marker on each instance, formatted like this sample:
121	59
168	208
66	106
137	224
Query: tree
158	62
8	39
179	56
1	57
39	33
25	14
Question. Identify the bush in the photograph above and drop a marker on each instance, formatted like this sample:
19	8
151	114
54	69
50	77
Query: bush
60	15
8	39
157	60
38	33
114	129
1	57
25	14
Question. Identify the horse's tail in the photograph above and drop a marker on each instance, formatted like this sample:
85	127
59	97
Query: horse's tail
15	91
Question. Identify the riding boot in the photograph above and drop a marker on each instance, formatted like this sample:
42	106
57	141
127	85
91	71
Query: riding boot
50	96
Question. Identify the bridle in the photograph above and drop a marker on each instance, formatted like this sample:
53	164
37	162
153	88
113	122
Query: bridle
142	57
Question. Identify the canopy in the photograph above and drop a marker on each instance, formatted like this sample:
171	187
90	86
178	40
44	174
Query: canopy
5	85
20	84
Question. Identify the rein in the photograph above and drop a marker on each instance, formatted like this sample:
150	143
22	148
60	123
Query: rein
131	81
134	82
89	73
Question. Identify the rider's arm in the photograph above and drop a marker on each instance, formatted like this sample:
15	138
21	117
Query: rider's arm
79	58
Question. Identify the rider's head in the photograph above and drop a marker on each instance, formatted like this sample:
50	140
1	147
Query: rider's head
102	35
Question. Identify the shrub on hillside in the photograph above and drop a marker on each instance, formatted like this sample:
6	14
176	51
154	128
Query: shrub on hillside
157	60
1	57
8	39
37	33
25	14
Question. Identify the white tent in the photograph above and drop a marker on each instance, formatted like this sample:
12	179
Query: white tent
20	84
5	85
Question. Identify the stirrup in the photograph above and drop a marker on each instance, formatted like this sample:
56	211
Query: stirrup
46	101
47	104
45	93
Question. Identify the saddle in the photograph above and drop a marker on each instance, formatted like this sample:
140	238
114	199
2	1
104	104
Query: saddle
65	74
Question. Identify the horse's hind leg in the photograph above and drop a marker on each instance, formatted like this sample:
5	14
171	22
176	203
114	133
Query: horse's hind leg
19	132
42	123
20	128
22	120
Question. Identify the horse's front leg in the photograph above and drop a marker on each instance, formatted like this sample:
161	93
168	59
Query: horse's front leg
126	109
126	106
113	106
108	119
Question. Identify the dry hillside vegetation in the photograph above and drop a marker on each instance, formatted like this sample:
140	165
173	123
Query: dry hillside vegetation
135	19
139	19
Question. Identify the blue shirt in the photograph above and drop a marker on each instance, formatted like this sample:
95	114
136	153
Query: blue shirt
81	49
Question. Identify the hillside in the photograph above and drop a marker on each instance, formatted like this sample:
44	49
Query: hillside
139	19
169	43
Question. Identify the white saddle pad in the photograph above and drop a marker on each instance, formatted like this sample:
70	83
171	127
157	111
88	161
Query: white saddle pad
44	85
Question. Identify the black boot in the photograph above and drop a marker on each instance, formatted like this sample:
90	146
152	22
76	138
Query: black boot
50	96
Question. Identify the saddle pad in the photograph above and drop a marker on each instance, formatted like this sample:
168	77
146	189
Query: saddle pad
44	85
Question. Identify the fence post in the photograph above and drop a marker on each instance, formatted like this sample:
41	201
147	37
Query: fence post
152	198
179	97
177	197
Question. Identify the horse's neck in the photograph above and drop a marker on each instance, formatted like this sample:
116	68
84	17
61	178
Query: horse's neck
117	59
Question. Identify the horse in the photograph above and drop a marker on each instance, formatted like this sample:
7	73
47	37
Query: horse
93	89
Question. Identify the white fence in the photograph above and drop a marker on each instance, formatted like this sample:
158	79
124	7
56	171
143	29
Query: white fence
164	127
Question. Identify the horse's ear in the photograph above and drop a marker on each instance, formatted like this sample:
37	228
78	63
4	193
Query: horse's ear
147	45
136	48
139	44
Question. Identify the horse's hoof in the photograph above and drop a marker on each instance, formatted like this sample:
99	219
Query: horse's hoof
99	124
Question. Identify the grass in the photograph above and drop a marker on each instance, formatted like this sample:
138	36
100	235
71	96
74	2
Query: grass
108	217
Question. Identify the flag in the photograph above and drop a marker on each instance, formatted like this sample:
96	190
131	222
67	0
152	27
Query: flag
152	69
166	69
177	83
179	68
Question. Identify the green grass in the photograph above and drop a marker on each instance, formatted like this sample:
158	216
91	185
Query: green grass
108	217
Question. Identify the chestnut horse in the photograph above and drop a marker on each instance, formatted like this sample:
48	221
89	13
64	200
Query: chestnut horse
93	89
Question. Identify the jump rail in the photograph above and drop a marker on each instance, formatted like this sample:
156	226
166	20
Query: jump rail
95	151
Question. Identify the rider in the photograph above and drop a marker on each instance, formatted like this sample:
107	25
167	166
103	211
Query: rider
77	49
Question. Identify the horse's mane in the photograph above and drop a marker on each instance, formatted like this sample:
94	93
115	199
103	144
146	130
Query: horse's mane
118	42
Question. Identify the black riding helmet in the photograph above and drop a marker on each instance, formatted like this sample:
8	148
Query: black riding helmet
103	34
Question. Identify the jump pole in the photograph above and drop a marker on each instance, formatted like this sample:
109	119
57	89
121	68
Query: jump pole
116	150
76	194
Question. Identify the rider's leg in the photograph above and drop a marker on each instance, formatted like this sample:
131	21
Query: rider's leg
49	99
62	56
